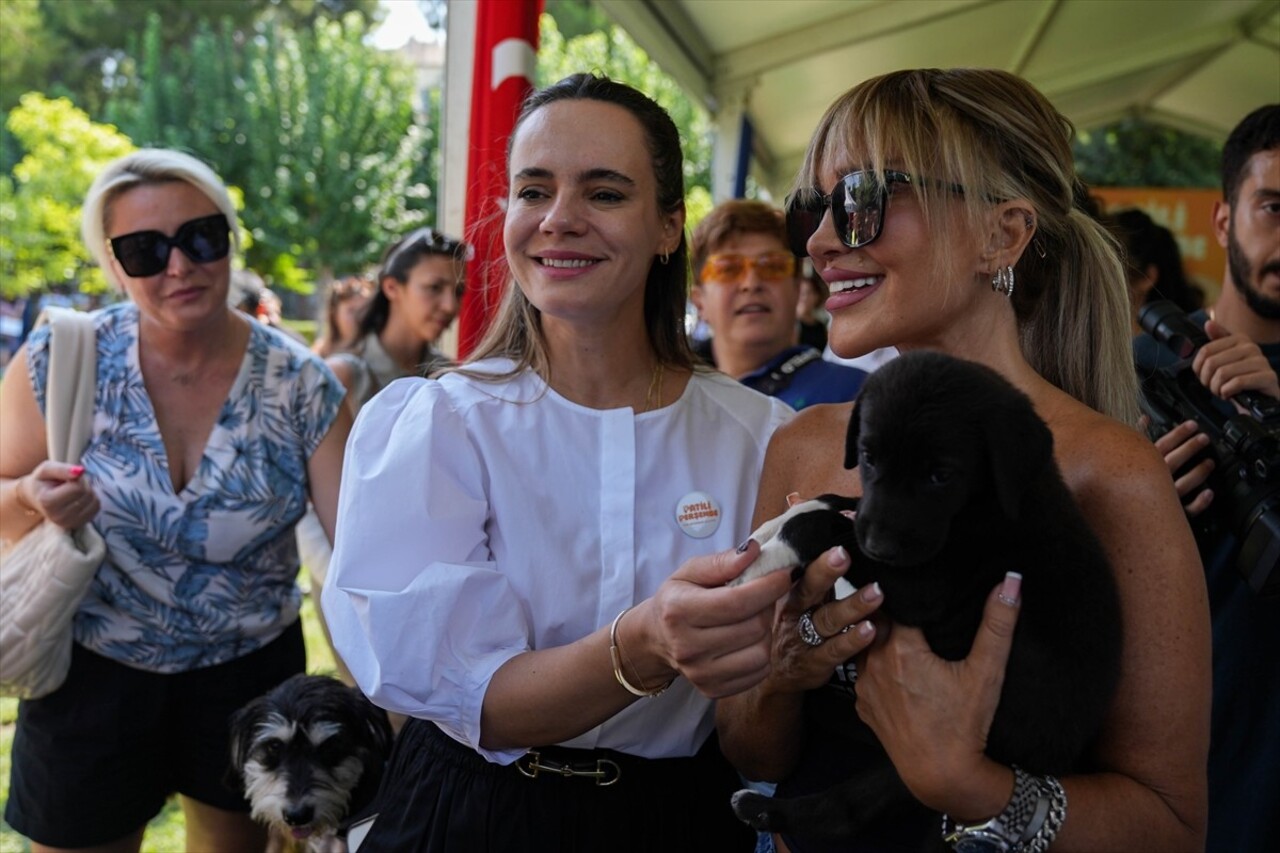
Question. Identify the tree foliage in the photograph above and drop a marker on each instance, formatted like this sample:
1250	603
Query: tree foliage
611	52
40	204
1138	153
78	48
315	127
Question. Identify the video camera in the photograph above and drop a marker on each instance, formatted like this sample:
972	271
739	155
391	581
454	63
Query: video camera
1245	448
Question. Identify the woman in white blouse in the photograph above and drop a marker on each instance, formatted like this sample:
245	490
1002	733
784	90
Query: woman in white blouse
528	545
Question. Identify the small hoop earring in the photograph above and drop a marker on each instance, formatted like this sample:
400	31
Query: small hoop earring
1002	281
664	257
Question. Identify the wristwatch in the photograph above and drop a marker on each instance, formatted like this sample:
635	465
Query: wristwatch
987	837
1007	831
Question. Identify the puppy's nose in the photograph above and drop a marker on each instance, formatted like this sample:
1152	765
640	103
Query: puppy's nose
299	815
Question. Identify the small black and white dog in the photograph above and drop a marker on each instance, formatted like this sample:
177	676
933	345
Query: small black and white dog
308	753
959	487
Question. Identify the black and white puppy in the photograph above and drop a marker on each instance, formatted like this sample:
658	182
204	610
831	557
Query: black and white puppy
959	486
308	753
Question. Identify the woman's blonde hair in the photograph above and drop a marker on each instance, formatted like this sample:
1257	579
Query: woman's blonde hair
998	137
516	331
144	167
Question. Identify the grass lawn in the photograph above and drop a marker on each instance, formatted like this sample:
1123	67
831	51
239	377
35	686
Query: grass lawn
166	833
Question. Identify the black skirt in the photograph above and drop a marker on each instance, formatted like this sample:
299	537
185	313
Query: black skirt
439	796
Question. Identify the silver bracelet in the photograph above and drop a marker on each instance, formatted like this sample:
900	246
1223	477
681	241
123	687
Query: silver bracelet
1027	824
1038	841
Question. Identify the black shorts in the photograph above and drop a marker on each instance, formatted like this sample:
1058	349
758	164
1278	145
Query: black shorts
96	759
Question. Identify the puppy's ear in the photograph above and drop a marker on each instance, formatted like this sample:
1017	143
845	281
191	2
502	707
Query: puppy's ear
851	437
241	727
1019	446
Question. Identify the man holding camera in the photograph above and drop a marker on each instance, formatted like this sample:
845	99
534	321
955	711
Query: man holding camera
1242	354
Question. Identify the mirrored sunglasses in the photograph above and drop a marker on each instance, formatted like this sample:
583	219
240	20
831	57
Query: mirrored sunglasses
857	204
731	268
145	253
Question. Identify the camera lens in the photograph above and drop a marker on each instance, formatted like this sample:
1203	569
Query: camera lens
1167	323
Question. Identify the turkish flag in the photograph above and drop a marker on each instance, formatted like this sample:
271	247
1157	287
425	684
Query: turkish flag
505	52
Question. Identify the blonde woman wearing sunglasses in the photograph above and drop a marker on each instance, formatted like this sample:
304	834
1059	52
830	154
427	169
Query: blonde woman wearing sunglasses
210	434
941	209
747	289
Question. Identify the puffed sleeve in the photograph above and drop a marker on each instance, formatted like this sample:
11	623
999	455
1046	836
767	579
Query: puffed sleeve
414	602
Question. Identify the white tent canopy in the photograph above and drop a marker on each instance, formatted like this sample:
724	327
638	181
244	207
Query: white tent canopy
1197	65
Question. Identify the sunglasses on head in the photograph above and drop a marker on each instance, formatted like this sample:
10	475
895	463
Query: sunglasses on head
431	242
145	253
857	206
731	268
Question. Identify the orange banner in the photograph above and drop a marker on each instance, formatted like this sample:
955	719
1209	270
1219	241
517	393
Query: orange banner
1188	213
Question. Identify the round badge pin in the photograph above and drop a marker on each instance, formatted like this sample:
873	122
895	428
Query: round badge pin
698	515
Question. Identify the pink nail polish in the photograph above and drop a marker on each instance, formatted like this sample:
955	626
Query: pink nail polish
1011	588
871	593
76	471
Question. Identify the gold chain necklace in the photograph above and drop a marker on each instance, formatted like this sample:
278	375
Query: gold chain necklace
653	399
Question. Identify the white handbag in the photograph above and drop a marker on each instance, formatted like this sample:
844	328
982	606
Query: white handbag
45	574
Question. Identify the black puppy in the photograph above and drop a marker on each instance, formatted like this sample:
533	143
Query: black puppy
959	487
308	753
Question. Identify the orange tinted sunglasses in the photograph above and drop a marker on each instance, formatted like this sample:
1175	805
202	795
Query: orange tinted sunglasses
731	268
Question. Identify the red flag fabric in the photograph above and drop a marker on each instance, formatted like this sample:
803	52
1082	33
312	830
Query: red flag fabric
506	46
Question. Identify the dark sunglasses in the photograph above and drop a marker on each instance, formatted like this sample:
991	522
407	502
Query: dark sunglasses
857	206
145	253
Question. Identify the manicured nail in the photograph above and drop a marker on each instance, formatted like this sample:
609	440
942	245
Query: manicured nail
871	593
76	471
744	546
1010	589
865	629
839	557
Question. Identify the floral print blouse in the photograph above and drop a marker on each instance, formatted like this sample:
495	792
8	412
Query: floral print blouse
207	574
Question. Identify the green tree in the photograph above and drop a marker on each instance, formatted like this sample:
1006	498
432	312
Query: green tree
80	48
40	204
315	126
576	17
1138	153
610	51
29	50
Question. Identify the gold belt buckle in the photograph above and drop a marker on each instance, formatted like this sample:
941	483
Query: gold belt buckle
606	772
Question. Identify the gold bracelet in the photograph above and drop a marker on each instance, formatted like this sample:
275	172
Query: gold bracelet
615	655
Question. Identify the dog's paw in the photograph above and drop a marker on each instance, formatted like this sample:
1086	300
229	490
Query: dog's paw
326	844
754	810
776	549
774	555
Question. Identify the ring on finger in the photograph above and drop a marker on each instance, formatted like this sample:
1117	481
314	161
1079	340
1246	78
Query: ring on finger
808	631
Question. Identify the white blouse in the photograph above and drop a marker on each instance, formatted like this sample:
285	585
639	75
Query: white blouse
478	521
